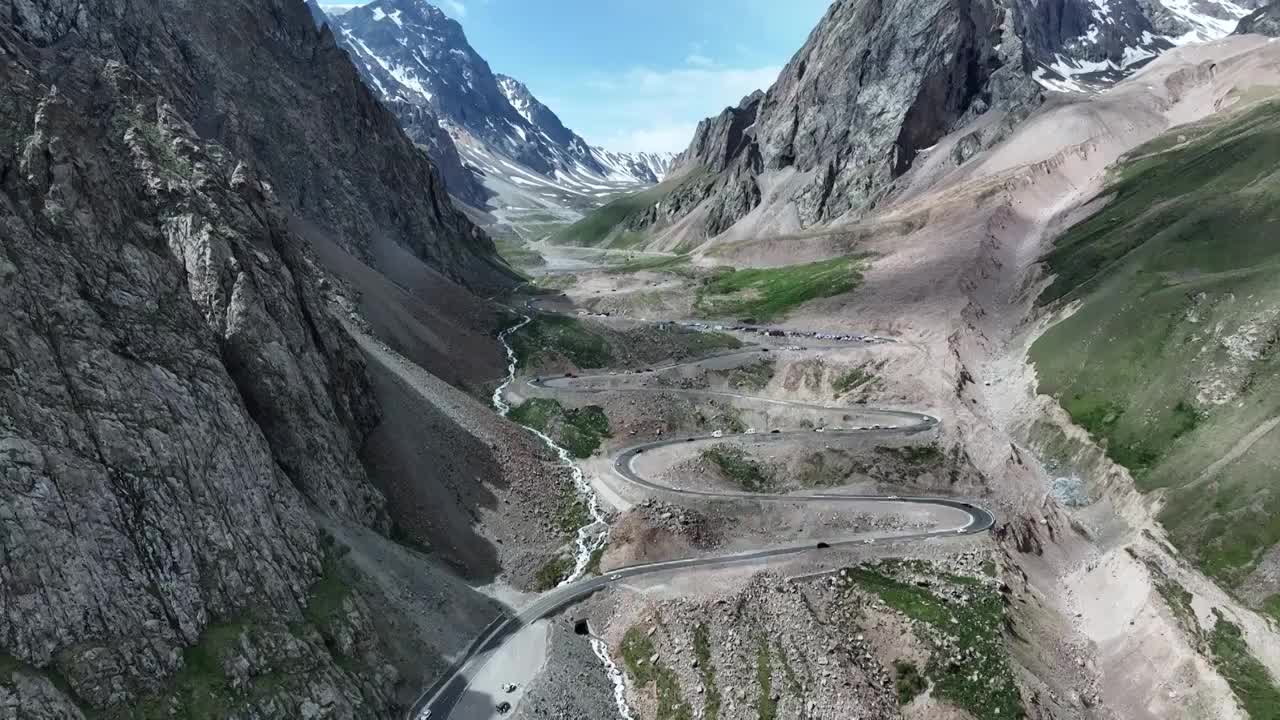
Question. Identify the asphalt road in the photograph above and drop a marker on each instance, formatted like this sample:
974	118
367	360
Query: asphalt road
438	702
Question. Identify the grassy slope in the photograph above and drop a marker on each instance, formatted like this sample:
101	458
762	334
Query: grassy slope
606	226
1170	359
765	293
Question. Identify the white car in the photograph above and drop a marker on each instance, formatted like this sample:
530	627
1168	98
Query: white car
717	434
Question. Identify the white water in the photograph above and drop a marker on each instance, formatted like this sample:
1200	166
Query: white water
591	536
619	684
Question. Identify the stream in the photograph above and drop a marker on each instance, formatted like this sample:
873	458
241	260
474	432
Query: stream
590	537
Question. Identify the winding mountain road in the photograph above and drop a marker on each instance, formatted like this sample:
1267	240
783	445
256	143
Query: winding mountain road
439	701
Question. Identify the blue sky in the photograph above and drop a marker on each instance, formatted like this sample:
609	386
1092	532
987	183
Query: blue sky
637	74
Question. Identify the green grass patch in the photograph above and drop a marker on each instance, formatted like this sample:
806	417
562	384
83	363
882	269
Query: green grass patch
549	335
852	380
1169	359
623	222
707	671
915	455
571	510
738	467
645	668
1271	606
517	253
766	293
908	681
977	677
651	264
1248	677
579	430
593	562
766	705
793	680
552	572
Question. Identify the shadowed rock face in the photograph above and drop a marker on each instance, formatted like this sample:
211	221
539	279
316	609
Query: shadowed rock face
261	81
175	398
1263	21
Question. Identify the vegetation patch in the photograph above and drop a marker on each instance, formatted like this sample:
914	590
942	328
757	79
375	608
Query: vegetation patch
968	666
737	466
854	379
578	430
914	455
201	690
766	702
751	377
702	653
571	510
908	681
516	252
645	668
1169	359
623	222
1248	677
547	336
593	563
766	293
552	573
651	264
1271	606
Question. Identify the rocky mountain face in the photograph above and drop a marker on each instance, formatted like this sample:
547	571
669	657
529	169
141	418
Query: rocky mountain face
852	109
420	62
418	120
176	401
1263	21
878	83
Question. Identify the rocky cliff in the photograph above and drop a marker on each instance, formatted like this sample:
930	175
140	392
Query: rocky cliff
878	83
874	85
176	402
1263	21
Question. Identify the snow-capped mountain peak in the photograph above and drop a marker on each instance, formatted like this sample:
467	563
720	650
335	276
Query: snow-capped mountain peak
1085	45
415	55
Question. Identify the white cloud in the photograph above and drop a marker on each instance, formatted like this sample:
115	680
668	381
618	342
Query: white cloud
658	110
457	9
699	60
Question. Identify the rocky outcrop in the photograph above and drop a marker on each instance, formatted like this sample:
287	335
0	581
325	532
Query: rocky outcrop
874	84
176	401
1263	21
286	98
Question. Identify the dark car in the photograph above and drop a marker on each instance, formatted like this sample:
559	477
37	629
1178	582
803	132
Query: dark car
503	707
823	546
774	432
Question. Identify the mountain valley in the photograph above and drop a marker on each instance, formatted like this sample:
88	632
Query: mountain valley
339	378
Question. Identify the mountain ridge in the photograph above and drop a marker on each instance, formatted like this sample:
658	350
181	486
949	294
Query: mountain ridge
419	60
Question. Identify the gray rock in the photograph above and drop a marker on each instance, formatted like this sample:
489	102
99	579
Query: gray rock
873	85
175	398
1263	21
